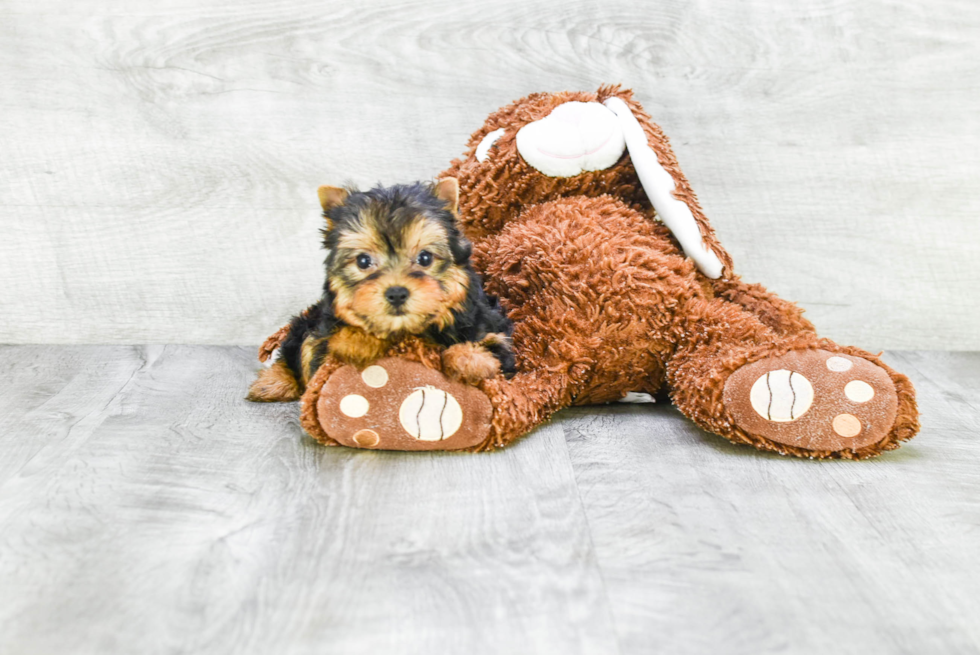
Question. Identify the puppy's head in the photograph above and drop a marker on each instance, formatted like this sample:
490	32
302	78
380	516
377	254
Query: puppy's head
397	263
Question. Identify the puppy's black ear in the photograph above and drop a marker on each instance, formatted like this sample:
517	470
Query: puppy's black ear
461	249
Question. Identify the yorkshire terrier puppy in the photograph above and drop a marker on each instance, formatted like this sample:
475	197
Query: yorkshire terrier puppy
396	264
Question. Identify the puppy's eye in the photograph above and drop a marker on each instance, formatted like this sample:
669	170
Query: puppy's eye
424	259
364	261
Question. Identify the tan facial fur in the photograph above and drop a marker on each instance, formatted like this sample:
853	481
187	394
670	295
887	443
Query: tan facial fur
434	290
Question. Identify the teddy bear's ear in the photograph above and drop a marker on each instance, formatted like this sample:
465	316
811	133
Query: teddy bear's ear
661	188
331	196
447	190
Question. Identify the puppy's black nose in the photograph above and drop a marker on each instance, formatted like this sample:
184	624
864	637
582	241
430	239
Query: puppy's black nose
396	296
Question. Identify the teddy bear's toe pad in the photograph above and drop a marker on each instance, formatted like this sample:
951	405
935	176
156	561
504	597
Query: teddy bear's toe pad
402	405
813	399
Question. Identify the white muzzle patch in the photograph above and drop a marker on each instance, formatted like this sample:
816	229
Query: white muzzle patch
587	136
574	138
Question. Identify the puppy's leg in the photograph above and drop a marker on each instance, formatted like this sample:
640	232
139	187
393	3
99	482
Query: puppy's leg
499	345
470	362
275	384
286	379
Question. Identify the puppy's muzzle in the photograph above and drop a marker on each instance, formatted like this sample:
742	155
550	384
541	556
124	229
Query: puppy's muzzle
396	296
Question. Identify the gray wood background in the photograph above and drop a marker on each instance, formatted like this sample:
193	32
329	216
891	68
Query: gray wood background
145	507
159	159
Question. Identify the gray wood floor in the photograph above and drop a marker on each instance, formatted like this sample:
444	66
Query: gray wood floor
146	508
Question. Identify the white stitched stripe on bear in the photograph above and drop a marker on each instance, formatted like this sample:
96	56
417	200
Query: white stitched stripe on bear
781	396
659	185
483	150
430	414
637	397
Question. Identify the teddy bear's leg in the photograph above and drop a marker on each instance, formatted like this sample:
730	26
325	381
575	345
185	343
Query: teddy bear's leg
394	404
524	402
398	404
791	393
781	316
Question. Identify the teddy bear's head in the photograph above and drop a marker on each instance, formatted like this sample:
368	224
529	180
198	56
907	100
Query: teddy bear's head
496	178
548	146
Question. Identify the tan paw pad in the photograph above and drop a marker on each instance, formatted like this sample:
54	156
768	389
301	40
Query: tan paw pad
813	399
859	391
354	406
375	376
781	395
366	438
847	425
396	404
430	414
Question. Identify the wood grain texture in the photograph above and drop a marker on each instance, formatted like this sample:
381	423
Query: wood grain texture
145	507
160	158
765	554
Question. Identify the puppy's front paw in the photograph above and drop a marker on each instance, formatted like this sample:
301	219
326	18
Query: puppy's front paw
469	363
355	346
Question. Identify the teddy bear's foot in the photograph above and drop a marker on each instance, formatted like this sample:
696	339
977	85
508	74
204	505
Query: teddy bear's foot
396	404
814	399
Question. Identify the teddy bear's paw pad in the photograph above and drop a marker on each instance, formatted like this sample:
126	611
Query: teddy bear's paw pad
813	399
397	404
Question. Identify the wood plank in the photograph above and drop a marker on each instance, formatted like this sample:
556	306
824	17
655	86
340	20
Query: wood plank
52	399
709	547
157	511
160	157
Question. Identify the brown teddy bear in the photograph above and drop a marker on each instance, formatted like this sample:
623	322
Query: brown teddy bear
587	230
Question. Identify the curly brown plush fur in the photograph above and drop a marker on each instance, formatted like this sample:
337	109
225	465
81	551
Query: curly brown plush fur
604	302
